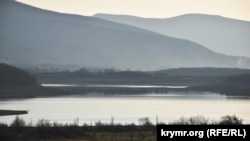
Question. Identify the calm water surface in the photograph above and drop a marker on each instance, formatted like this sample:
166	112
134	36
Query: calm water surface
95	107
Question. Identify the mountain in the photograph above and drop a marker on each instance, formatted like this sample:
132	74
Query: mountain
220	34
204	72
17	83
31	35
13	77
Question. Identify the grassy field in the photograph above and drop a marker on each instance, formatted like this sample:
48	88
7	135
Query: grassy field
105	136
70	134
122	136
43	130
108	136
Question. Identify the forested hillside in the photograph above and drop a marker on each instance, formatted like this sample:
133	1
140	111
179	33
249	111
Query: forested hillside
17	83
11	77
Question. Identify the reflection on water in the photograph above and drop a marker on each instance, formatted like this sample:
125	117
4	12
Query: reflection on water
173	95
85	89
113	86
93	107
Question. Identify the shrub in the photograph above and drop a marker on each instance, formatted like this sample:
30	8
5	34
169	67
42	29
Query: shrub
197	120
43	123
3	125
230	120
18	122
145	121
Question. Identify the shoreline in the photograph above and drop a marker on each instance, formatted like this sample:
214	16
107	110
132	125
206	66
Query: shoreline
13	112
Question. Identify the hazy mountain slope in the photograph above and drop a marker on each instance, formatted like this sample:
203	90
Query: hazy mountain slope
223	35
32	36
17	83
12	77
204	72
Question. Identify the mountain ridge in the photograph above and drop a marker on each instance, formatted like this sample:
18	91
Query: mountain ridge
220	34
35	36
165	18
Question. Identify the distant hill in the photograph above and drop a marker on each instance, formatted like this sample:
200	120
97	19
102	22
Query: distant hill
17	83
204	72
31	35
235	85
13	77
220	34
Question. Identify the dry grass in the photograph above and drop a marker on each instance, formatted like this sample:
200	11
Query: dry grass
107	136
125	136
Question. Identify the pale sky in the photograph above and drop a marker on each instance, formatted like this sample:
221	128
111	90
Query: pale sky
237	9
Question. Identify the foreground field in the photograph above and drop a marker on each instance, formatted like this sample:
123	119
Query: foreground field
72	134
18	130
124	136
